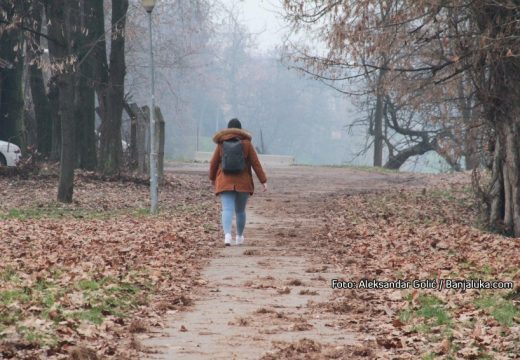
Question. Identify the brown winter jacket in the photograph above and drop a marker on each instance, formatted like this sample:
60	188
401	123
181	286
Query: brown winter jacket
241	182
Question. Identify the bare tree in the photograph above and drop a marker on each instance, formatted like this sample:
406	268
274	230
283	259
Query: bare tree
64	16
443	41
110	77
42	106
85	115
11	70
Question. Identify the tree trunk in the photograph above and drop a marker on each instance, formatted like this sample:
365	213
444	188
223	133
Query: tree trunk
55	51
470	148
86	113
63	16
378	121
506	209
86	123
496	193
11	97
378	132
396	161
504	212
67	158
56	119
111	150
132	110
42	109
499	90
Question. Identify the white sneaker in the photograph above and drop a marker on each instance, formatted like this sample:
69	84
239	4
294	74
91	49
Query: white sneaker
240	239
227	240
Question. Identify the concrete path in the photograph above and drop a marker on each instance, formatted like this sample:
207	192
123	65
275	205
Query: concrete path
255	294
262	293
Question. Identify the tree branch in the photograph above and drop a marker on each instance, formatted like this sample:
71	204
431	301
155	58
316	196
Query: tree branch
35	32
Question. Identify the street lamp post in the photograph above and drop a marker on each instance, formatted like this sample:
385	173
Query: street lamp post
154	186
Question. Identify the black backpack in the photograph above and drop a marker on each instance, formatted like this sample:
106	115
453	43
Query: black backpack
233	160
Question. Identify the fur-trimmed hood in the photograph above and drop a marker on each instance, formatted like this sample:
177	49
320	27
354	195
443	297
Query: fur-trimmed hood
227	134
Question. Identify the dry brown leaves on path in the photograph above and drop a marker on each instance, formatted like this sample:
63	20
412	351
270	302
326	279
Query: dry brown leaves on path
79	280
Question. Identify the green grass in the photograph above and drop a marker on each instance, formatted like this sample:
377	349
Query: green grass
88	285
57	211
484	356
123	287
101	297
430	309
9	316
427	315
37	337
7	297
209	227
367	168
9	275
502	309
107	296
188	208
460	197
141	212
438	314
40	212
430	357
406	315
441	193
94	315
475	271
486	269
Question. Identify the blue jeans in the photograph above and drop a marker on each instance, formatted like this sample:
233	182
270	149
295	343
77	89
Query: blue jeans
234	202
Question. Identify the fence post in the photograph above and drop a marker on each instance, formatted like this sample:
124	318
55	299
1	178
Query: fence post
144	140
160	132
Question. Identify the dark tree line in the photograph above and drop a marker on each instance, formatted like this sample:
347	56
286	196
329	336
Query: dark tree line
64	82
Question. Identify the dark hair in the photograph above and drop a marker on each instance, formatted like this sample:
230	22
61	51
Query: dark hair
234	124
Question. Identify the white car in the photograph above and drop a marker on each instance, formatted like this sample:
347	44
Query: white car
9	154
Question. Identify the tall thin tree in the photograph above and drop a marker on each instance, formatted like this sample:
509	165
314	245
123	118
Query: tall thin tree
110	77
64	16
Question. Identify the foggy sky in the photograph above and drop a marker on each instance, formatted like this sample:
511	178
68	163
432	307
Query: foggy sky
262	17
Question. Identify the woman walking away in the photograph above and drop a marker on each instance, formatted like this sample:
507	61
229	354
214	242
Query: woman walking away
230	173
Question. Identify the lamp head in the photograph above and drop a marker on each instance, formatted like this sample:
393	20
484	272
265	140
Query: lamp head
149	5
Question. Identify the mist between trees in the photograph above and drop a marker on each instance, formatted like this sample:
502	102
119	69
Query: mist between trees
368	82
208	71
69	68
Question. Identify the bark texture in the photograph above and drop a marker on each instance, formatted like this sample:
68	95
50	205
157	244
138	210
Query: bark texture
499	91
11	71
64	16
42	109
86	114
111	91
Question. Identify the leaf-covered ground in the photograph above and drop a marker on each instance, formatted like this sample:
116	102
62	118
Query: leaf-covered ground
79	280
429	233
